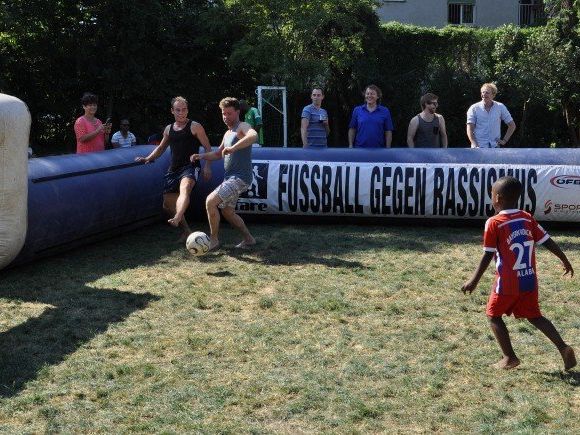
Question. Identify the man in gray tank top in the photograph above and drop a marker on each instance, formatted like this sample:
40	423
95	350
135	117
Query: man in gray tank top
427	129
236	150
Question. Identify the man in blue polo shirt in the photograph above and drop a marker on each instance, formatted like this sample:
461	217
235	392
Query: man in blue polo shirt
371	125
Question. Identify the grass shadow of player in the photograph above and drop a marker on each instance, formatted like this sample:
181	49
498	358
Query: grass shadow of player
73	317
571	377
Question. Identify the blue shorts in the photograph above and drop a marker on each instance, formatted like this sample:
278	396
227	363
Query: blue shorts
173	178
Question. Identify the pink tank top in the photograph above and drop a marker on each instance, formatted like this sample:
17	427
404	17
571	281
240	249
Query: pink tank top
82	127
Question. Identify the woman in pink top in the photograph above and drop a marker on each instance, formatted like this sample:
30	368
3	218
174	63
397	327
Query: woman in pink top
91	133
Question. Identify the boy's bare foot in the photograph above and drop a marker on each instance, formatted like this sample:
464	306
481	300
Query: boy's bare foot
175	221
214	245
507	363
246	243
568	357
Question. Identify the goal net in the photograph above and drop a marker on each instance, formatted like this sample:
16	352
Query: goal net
272	106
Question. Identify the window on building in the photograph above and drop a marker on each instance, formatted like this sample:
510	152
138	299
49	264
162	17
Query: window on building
461	12
531	13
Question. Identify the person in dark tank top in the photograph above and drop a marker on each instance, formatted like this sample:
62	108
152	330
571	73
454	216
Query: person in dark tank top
183	137
427	129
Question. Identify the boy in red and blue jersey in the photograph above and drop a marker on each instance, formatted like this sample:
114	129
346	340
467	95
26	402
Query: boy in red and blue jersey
511	236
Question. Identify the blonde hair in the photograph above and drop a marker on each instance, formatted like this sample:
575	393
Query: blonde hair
180	99
491	86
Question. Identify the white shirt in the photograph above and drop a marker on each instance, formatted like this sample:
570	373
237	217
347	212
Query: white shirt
124	141
487	129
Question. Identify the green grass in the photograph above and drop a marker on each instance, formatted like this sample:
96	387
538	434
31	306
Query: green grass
318	329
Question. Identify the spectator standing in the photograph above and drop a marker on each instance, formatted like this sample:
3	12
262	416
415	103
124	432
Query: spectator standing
253	117
427	129
371	125
484	120
314	127
90	132
123	138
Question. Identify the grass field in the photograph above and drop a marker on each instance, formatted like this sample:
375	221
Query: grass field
335	329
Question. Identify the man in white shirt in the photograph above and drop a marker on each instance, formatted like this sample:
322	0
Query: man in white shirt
484	120
123	138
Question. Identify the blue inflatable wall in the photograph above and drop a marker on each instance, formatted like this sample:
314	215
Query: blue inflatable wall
74	199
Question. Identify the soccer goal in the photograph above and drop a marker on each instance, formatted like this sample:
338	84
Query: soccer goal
272	106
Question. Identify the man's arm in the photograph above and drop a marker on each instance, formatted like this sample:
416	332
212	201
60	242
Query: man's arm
304	131
471	135
388	138
443	131
470	285
554	248
411	131
508	134
159	149
351	136
246	137
198	131
115	141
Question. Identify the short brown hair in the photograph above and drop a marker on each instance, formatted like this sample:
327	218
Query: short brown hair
176	99
426	98
89	98
230	102
376	89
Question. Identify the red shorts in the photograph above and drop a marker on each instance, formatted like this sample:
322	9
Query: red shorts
523	305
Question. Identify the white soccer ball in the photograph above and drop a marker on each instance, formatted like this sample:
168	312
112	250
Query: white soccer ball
197	243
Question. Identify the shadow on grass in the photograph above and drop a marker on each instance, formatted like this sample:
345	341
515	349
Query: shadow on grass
571	377
77	317
76	311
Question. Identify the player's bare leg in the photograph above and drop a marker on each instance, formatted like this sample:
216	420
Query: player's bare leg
550	331
509	360
237	222
213	216
185	187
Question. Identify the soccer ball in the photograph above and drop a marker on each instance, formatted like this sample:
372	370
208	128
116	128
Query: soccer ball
197	243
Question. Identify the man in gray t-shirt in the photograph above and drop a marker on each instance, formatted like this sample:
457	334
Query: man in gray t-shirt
236	150
314	127
427	129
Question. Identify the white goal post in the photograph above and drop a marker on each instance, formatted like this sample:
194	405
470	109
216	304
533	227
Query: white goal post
272	107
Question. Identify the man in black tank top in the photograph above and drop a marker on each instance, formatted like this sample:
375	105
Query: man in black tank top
183	137
427	129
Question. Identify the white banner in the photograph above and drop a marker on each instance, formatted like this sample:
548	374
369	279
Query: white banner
430	190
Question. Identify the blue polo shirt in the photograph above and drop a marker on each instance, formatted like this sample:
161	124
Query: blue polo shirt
370	126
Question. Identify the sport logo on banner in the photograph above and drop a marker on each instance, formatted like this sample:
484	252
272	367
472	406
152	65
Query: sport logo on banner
259	187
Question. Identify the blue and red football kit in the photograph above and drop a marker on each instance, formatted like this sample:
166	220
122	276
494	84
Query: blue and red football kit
512	236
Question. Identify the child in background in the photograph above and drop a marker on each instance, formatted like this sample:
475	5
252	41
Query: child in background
512	235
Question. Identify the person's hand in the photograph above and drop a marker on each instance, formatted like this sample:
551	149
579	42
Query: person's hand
141	159
474	145
194	158
468	287
227	151
107	128
207	172
568	269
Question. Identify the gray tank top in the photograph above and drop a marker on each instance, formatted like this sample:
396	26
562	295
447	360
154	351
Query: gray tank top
427	135
239	163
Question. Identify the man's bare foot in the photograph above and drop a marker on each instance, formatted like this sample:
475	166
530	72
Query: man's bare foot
568	357
246	243
507	363
175	220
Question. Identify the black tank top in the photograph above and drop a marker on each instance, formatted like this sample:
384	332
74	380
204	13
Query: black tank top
183	144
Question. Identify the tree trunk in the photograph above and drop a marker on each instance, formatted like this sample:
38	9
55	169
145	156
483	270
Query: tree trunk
571	123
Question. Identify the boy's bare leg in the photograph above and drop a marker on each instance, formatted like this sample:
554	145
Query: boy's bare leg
550	331
509	360
238	223
213	216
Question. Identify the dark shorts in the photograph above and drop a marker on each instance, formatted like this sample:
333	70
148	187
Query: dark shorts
173	178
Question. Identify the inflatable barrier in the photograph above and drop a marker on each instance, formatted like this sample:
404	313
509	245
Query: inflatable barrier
75	199
14	133
78	198
411	183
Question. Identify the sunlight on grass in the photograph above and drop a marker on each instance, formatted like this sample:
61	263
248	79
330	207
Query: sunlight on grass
317	329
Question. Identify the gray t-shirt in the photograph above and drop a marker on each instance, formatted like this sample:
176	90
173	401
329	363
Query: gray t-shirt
239	163
427	135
